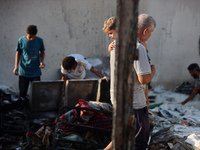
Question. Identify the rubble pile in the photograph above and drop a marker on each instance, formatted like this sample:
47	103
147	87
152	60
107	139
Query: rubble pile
176	126
86	126
13	123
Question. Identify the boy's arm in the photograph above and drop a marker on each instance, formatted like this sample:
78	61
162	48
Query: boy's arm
98	74
64	78
42	55
192	95
17	58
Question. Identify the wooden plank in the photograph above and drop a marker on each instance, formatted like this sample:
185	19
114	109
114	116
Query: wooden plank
123	115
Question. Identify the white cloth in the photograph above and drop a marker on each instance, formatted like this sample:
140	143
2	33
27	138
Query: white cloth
79	72
194	140
112	66
140	67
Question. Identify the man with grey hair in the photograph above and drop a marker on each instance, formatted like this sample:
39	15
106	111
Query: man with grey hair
143	74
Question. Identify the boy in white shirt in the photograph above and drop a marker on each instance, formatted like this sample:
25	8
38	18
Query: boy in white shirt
74	67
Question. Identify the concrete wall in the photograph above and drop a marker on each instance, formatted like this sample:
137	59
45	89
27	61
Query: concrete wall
66	26
75	26
175	41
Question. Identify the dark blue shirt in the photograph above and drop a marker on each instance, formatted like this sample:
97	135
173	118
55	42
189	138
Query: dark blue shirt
30	57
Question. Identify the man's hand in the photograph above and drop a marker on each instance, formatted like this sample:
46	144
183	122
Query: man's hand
183	103
148	103
192	95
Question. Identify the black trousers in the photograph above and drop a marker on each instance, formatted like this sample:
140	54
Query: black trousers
142	129
24	83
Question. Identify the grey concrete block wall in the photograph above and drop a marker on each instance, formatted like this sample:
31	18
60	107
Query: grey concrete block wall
66	26
174	44
75	26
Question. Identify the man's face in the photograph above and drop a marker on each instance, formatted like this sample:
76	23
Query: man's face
30	37
112	34
145	34
148	33
193	74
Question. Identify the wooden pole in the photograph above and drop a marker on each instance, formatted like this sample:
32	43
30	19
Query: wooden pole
125	53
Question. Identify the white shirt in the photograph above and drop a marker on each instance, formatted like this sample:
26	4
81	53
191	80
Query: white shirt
140	67
79	72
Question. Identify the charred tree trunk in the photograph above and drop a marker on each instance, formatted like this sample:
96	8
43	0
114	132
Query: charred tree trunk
125	53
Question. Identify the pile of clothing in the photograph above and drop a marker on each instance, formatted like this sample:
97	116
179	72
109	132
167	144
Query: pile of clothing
88	124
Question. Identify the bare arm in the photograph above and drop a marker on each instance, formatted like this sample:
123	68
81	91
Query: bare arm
64	78
192	95
144	79
146	95
99	74
42	55
17	58
109	146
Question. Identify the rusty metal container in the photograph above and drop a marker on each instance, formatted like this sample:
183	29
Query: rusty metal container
46	95
85	89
